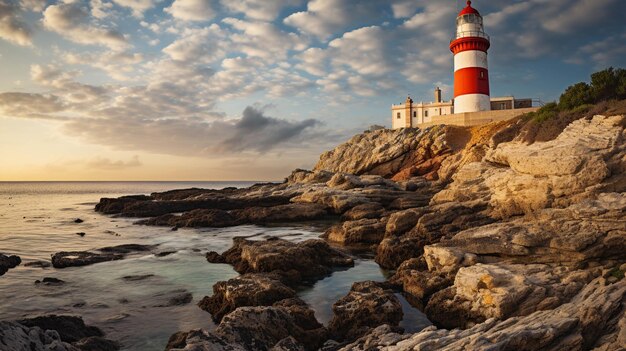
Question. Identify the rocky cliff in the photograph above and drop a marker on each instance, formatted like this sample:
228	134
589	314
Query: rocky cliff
506	237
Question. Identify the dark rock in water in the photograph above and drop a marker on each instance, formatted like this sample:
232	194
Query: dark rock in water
80	234
174	228
253	289
50	281
78	220
164	253
127	248
70	328
96	343
367	306
134	278
294	262
259	328
66	259
38	264
186	200
214	257
8	262
176	298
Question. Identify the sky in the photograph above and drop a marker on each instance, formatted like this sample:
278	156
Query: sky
251	89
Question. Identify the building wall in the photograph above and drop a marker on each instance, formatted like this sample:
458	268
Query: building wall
469	119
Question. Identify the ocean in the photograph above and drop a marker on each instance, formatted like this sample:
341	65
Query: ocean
37	220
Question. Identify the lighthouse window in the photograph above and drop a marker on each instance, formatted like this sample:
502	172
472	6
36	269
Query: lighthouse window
482	74
426	113
414	114
398	115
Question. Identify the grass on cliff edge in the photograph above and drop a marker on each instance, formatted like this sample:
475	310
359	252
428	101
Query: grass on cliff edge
605	94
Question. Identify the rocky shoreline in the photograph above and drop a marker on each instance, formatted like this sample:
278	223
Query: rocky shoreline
504	242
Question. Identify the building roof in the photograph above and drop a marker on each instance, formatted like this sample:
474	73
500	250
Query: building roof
469	9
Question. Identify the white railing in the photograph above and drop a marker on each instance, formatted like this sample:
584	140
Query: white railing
466	34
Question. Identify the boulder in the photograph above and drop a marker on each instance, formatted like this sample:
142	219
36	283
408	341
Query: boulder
253	289
363	231
69	328
66	259
295	262
258	328
8	262
367	306
17	337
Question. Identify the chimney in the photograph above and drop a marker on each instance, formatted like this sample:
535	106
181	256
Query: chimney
437	94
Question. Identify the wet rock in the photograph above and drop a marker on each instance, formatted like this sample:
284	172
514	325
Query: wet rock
78	220
96	343
363	231
8	262
81	234
367	306
66	259
288	344
164	253
178	201
195	218
15	336
258	328
70	328
295	262
254	289
38	264
50	281
175	298
214	257
134	278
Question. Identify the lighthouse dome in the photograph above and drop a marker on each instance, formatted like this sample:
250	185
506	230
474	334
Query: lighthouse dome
469	10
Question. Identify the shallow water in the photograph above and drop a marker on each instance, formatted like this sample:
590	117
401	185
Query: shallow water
37	220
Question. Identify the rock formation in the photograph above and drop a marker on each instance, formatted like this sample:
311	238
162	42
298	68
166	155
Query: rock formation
504	241
8	262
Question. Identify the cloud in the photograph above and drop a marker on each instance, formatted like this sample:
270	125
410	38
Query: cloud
29	105
206	44
192	10
71	20
12	28
254	131
138	7
106	164
263	10
263	40
323	18
117	64
33	5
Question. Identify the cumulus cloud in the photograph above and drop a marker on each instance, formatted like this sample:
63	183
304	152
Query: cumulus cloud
323	18
72	21
29	105
12	28
199	44
137	6
106	164
119	65
192	10
33	5
259	9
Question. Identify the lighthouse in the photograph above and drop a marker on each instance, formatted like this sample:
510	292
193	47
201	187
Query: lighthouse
471	75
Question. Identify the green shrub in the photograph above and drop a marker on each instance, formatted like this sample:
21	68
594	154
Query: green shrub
576	95
604	84
548	111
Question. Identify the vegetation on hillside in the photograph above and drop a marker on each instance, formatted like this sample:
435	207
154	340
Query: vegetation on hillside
606	85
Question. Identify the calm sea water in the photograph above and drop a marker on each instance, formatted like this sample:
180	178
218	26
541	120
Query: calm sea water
37	220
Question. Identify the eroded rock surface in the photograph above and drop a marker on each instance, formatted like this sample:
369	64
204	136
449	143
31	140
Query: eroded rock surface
367	305
295	262
66	259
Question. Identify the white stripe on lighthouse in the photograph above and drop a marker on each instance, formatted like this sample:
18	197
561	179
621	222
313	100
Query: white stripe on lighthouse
472	58
472	103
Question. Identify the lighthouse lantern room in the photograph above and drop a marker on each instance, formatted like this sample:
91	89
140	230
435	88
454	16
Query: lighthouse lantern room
471	75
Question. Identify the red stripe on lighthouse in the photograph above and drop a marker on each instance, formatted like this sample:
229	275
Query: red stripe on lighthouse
471	80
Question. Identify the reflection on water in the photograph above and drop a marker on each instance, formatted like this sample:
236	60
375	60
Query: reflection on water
37	220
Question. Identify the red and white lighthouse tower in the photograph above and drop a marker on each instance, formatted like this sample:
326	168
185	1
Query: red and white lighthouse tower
471	76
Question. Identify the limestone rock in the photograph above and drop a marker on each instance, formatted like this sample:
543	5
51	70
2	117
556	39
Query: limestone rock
17	337
294	262
253	289
366	306
363	231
